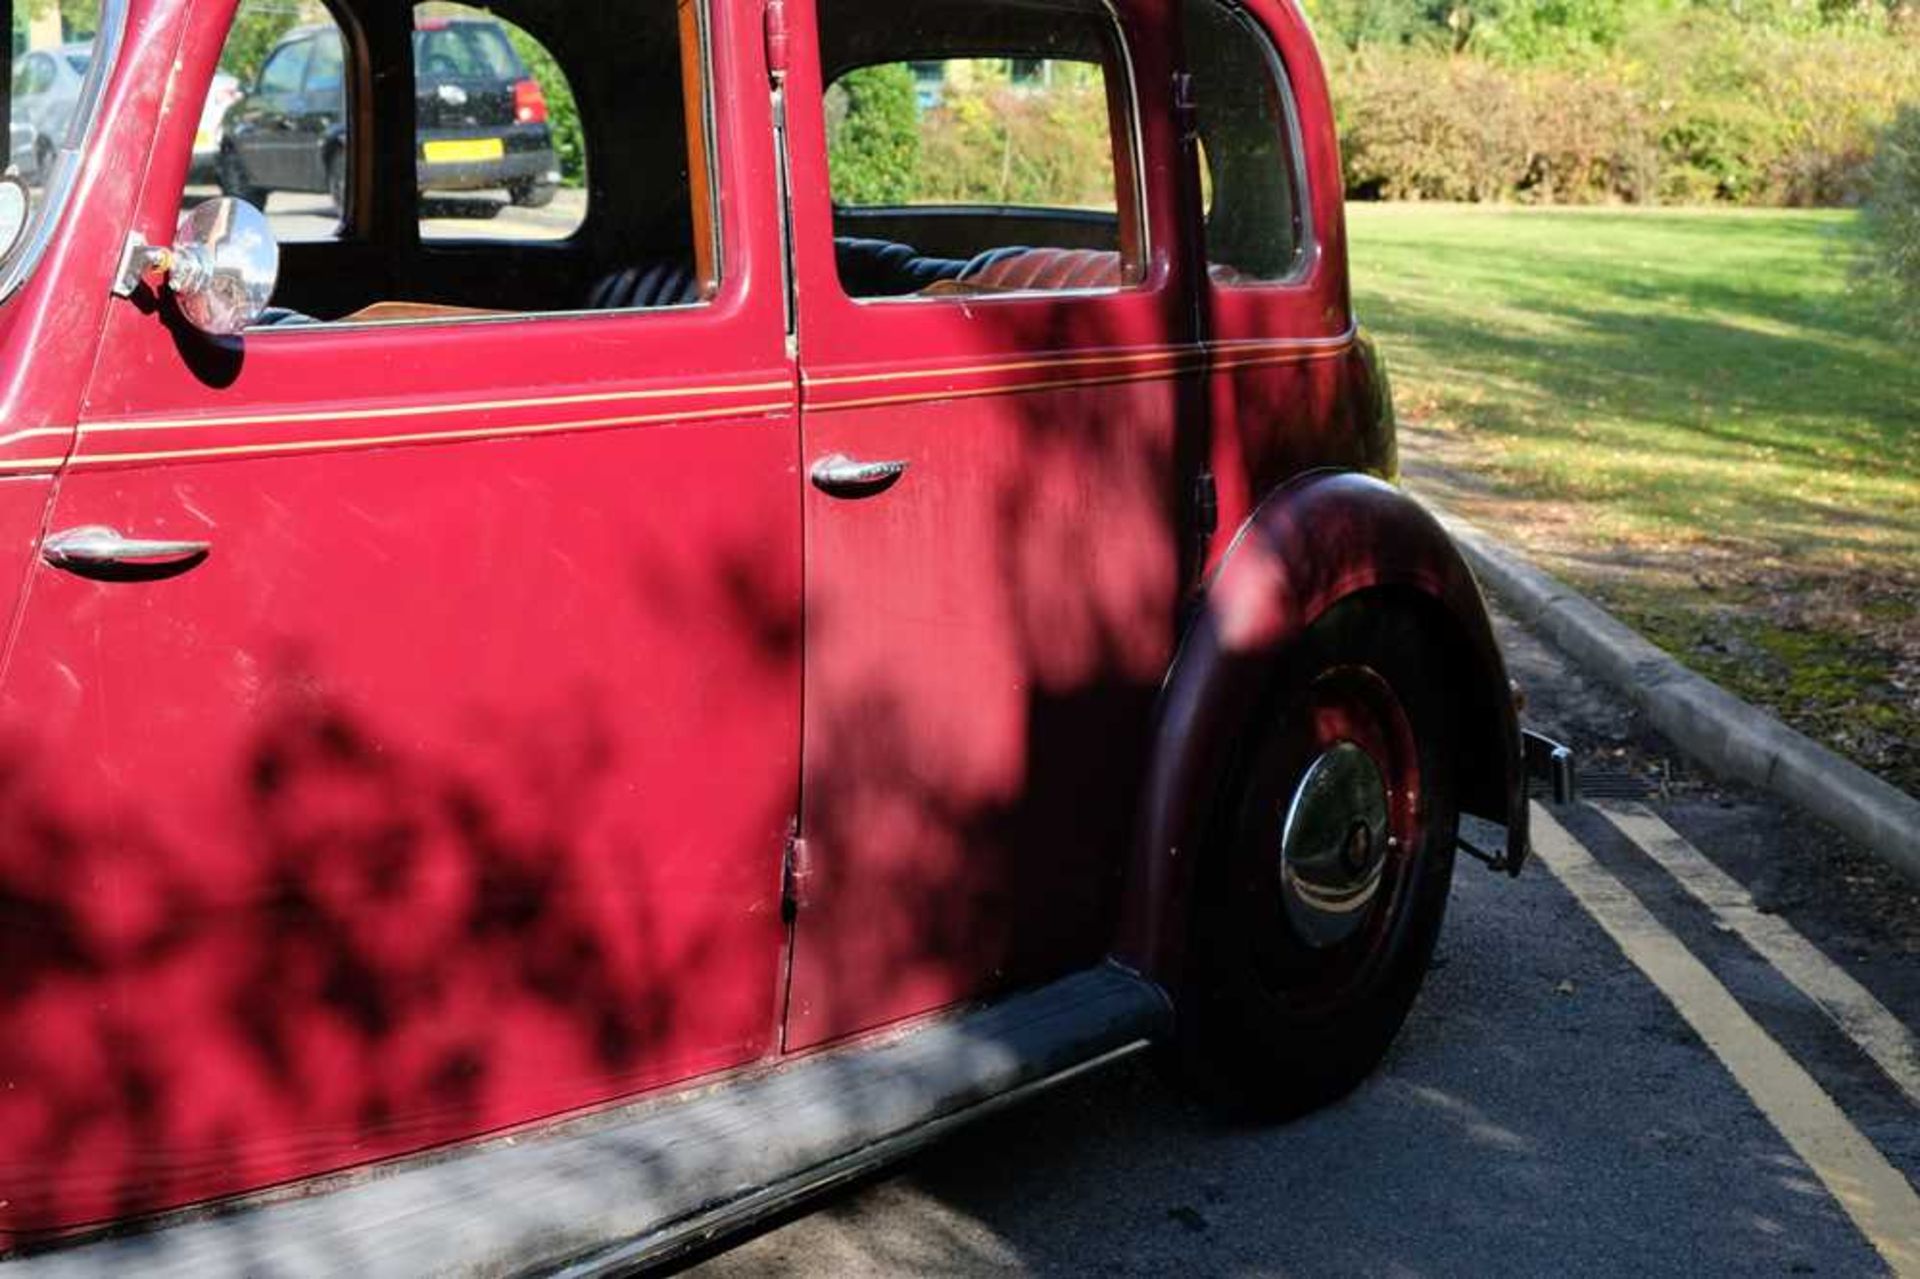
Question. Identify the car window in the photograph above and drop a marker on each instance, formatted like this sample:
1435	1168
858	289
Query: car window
274	129
471	49
285	68
499	131
498	149
326	73
79	63
992	154
1251	179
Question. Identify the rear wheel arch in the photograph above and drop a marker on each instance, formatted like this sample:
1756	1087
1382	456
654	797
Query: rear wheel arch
1322	540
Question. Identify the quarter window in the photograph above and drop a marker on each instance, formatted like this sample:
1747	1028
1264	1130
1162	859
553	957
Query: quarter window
1251	181
980	148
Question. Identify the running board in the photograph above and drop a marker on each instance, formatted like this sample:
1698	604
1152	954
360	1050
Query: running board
636	1186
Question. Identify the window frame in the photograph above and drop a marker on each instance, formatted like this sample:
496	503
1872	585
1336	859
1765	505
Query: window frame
1306	247
1134	163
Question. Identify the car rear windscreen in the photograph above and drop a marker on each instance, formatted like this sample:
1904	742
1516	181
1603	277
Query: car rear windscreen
464	51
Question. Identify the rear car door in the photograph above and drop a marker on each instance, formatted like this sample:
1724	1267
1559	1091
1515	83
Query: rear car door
446	789
993	338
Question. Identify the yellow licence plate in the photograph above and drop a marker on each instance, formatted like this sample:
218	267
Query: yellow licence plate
465	150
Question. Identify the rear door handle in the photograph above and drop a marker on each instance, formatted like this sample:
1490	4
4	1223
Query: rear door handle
838	475
100	551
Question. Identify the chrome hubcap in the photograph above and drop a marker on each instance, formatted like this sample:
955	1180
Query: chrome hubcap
1334	845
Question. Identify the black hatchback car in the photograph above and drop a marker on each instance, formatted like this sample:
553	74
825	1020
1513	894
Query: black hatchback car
482	117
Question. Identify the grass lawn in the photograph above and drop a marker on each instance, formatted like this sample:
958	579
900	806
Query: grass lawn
1697	416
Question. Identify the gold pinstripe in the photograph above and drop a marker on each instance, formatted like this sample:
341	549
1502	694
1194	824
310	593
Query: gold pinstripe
324	444
1195	351
427	410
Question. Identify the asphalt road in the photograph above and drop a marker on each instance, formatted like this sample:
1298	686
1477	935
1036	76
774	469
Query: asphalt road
1551	1107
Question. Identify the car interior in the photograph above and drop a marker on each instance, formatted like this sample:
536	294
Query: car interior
647	239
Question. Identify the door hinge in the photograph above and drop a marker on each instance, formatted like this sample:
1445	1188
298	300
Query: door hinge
774	30
796	876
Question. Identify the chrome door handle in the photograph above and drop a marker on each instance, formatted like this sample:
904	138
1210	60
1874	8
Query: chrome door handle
841	476
97	548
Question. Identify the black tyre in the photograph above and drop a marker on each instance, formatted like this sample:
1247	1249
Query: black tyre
232	176
1325	881
531	194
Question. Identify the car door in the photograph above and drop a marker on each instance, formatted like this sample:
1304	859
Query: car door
993	520
446	788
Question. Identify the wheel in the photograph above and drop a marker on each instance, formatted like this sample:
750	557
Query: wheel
43	156
1325	878
529	193
337	182
232	176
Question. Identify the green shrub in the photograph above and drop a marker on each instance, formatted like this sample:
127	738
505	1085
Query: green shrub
1425	125
990	141
873	136
1893	216
1698	107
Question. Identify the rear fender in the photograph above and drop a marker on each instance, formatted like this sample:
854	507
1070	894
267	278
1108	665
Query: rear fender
1313	542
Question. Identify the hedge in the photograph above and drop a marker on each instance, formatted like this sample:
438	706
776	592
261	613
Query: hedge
1699	110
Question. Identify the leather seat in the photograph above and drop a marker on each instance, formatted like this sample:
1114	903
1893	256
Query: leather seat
884	269
1047	270
648	284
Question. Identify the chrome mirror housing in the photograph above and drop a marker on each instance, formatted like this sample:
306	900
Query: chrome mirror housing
223	266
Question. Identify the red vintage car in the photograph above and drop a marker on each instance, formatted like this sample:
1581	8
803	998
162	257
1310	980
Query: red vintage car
530	738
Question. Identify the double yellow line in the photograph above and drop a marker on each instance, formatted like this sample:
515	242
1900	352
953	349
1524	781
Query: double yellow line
1872	1192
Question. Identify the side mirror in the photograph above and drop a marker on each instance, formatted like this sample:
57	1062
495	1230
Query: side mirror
223	266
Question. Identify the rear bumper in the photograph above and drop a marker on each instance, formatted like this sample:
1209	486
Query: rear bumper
477	175
1551	764
526	156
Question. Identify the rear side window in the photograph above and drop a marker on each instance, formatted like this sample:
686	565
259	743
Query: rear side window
1031	132
980	147
1251	181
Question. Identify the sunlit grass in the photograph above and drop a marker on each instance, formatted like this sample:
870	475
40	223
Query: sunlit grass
1701	415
